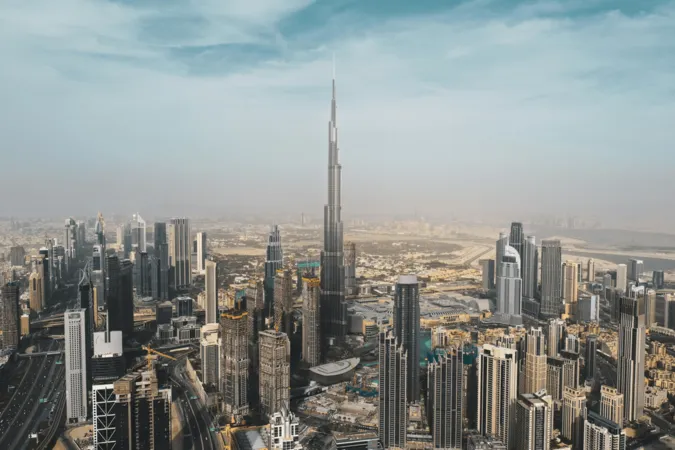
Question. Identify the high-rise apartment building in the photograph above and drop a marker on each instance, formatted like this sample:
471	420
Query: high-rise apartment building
570	287
179	236
333	308
311	336
534	421
591	357
75	328
557	332
603	434
283	301
533	377
530	267
574	414
9	316
650	307
611	404
274	260
500	248
138	233
210	349
631	356
36	283
284	431
235	362
497	392
590	270
108	362
201	251
350	269
211	285
509	285
445	395
635	269
517	237
120	295
407	329
162	254
658	279
621	277
487	273
275	371
480	442
551	277
392	379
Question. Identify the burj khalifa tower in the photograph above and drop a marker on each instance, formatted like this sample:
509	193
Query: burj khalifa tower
333	311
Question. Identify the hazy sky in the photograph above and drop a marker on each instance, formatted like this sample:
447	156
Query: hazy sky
205	106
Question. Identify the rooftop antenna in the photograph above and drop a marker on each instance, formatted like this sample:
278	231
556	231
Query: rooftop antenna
333	65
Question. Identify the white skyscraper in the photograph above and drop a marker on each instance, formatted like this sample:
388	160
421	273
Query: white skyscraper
200	250
497	392
603	434
210	348
509	284
76	364
211	282
621	277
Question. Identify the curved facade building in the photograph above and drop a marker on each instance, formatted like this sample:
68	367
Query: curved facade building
335	372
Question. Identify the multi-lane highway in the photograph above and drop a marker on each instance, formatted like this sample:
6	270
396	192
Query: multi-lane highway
34	400
197	433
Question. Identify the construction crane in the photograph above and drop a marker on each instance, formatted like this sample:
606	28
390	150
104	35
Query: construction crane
152	354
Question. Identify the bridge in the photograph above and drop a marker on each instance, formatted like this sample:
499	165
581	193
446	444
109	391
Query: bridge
36	354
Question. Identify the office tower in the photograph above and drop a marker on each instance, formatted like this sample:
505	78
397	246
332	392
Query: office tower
201	251
76	364
500	247
17	255
557	332
138	233
333	309
571	369
141	273
607	282
407	329
497	392
209	350
120	301
479	442
184	306
143	412
104	403
658	279
70	240
590	359
283	301
635	269
275	367
153	269
80	236
488	273
509	285
603	434
274	259
234	361
530	267
164	313
179	240
36	286
590	270
108	362
611	404
554	378
311	336
350	269
574	413
650	308
551	277
631	356
534	421
211	284
284	427
570	287
393	410
255	302
445	391
517	237
534	367
621	277
9	316
588	309
162	254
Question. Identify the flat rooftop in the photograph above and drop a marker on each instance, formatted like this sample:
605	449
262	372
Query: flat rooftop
336	368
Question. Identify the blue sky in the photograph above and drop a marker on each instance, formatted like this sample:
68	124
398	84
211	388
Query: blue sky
473	108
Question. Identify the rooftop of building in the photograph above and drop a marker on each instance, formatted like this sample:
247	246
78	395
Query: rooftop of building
249	440
336	368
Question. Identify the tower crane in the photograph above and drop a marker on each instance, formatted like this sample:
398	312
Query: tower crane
152	354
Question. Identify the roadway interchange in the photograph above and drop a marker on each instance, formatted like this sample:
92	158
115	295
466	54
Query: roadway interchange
36	402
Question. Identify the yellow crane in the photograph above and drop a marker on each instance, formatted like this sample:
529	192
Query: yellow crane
151	355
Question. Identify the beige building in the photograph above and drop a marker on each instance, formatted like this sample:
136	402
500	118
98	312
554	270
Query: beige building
311	351
533	378
275	371
611	404
574	413
283	300
35	290
570	287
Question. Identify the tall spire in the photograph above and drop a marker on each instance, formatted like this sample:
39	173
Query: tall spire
333	112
